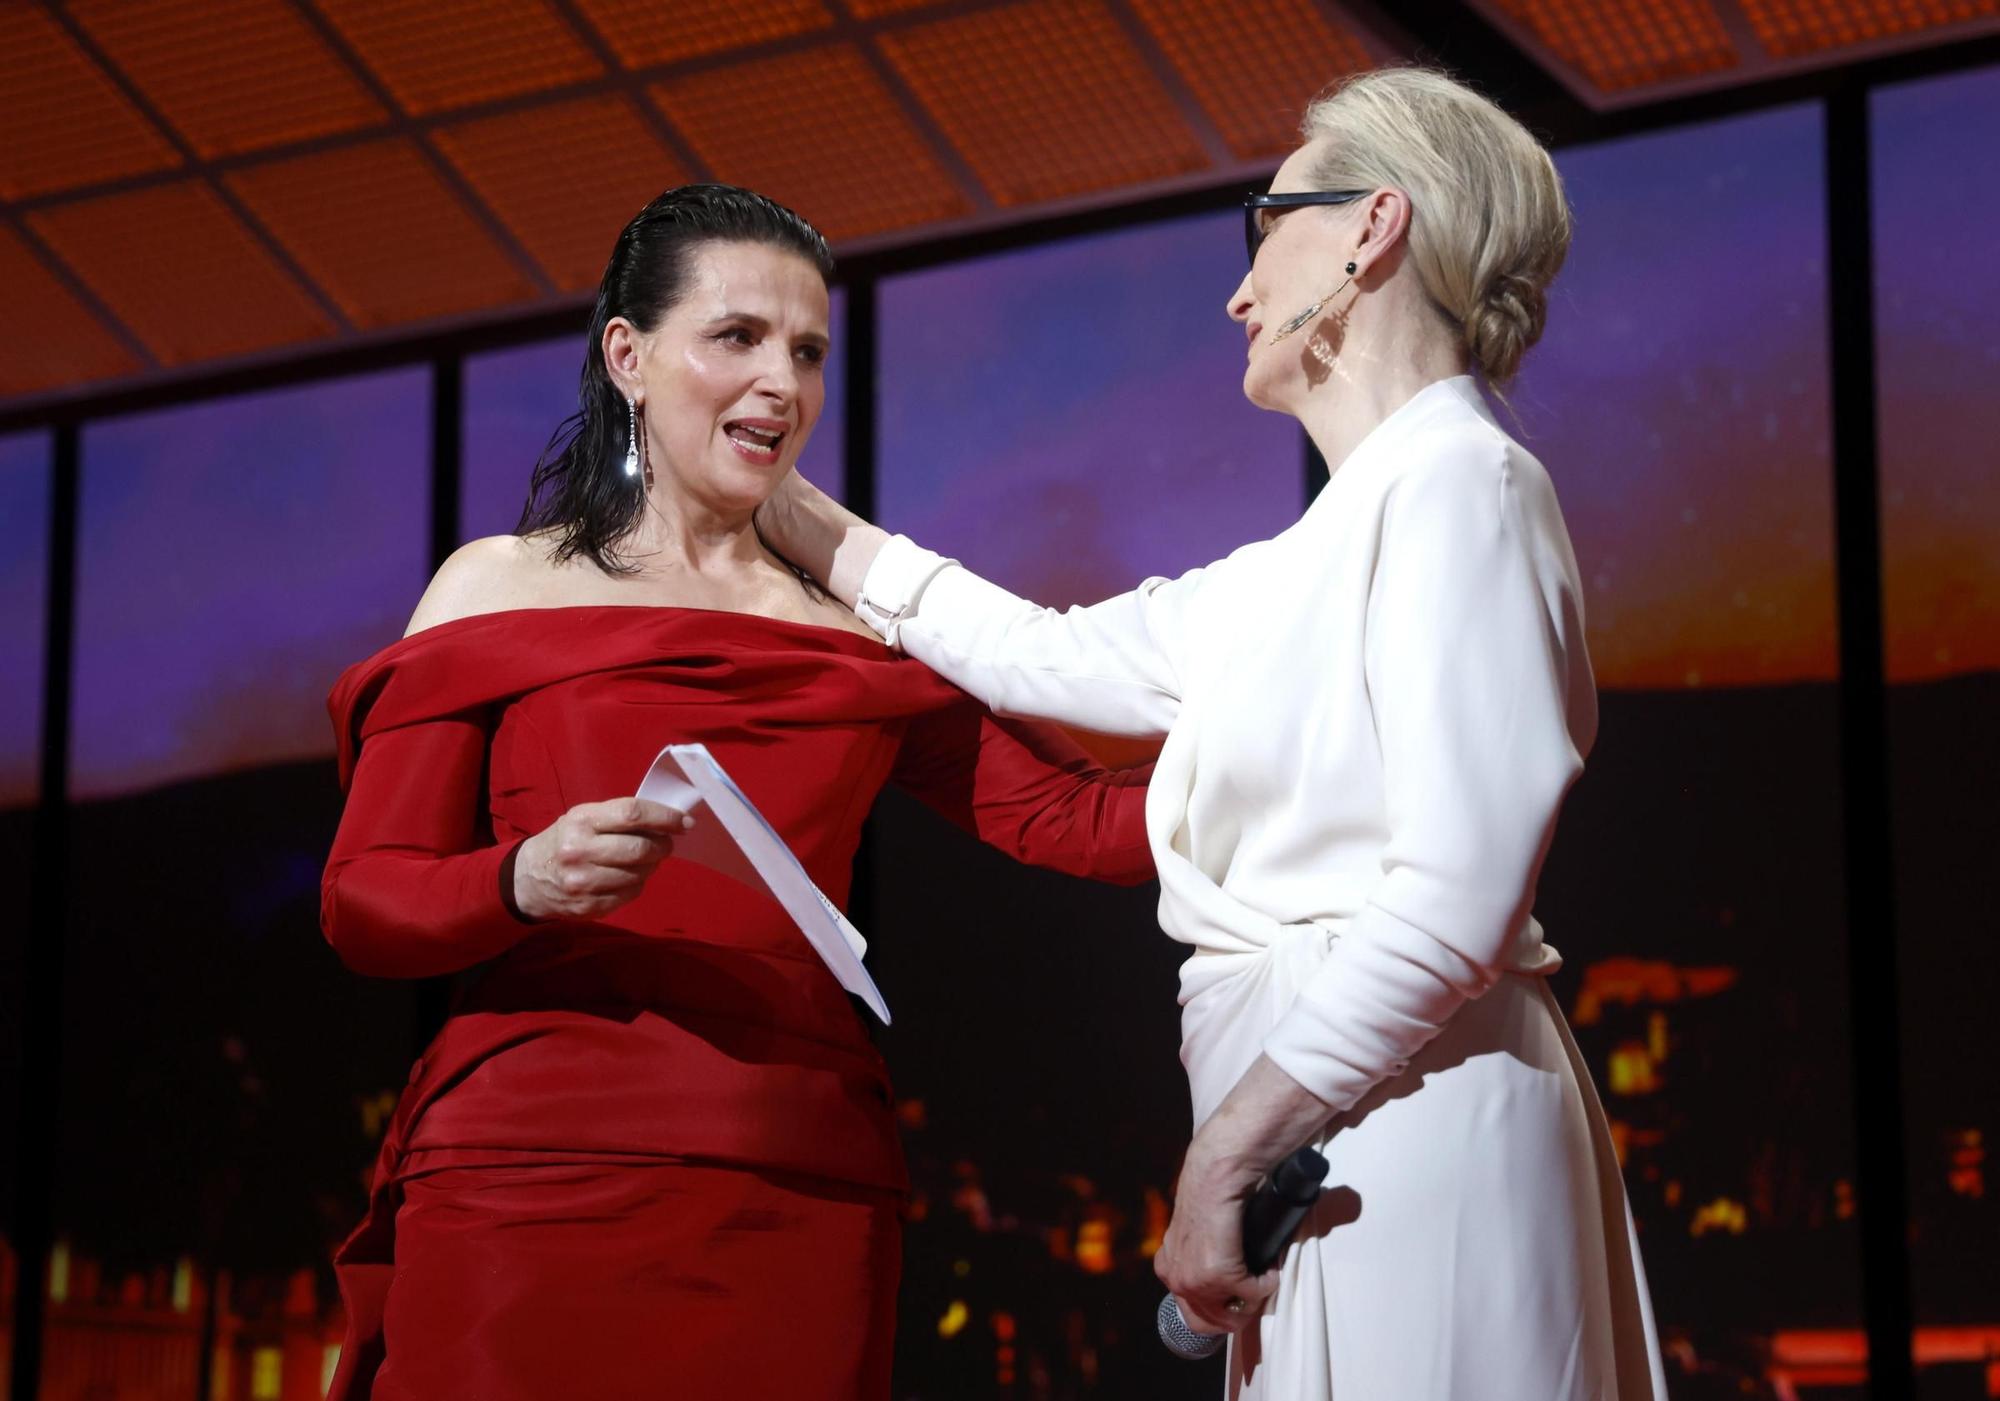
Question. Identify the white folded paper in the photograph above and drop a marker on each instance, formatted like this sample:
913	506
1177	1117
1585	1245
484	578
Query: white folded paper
741	844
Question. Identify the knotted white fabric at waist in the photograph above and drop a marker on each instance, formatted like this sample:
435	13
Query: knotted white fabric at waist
1230	1002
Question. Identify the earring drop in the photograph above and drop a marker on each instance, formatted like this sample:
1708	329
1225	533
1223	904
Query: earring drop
1297	321
1314	310
631	438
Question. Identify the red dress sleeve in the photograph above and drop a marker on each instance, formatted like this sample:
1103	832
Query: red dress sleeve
1028	789
414	885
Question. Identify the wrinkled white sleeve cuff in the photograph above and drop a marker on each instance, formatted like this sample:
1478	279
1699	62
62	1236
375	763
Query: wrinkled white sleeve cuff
895	584
1104	667
1385	990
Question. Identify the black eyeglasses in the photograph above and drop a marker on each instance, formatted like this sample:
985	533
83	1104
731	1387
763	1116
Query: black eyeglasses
1259	210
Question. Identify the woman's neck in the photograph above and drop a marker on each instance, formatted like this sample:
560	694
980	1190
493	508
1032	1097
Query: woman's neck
678	532
1376	369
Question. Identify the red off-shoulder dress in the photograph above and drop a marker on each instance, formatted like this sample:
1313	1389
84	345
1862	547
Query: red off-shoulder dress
654	1154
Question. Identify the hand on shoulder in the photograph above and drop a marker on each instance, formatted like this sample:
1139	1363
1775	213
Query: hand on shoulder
483	576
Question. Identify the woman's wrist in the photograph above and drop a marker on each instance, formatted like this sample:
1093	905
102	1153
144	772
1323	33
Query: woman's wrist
516	885
860	543
1214	1172
795	521
1258	1123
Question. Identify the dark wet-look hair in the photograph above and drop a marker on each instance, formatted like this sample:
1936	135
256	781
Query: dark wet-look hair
579	490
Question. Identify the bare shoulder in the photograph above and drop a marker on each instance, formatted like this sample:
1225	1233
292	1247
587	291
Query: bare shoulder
483	576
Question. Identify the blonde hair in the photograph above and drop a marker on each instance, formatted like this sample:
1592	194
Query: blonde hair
1489	224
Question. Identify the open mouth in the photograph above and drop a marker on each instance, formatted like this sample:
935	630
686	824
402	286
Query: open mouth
756	439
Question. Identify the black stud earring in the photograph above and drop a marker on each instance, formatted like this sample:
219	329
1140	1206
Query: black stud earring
1350	269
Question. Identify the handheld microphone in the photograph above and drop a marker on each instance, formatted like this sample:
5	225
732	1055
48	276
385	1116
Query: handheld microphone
1270	1218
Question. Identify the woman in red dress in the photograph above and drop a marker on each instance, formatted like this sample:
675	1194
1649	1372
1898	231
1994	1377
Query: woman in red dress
652	1151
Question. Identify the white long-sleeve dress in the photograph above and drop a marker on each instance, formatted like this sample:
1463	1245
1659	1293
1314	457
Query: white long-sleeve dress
1370	722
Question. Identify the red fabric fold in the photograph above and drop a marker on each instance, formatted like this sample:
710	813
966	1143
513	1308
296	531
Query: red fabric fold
695	1024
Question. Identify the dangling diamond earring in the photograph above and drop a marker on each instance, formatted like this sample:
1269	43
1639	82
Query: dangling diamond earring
631	438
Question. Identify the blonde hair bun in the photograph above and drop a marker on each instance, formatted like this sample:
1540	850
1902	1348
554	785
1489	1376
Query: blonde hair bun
1489	224
1505	322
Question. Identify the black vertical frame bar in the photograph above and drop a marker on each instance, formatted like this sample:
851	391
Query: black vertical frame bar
433	999
859	402
858	463
1864	753
42	961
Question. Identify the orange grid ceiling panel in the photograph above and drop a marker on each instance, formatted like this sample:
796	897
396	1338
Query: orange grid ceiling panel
876	9
565	178
378	229
817	131
230	75
1254	67
438	56
1796	29
182	272
62	121
1045	100
1622	44
646	32
54	340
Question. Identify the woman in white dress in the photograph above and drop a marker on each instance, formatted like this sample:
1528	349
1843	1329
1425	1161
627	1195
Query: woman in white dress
1370	722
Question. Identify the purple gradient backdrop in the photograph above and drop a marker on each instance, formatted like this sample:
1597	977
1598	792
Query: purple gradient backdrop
1679	399
1937	310
1070	419
1937	295
233	558
24	575
514	399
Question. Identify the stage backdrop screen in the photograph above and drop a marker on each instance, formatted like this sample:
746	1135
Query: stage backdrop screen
224	1079
24	576
234	557
1069	420
1937	321
1680	401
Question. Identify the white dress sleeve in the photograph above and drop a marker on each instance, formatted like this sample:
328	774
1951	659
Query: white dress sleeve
1470	683
1114	667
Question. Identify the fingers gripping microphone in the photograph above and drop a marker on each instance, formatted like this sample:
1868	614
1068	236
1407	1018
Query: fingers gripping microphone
1270	1218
